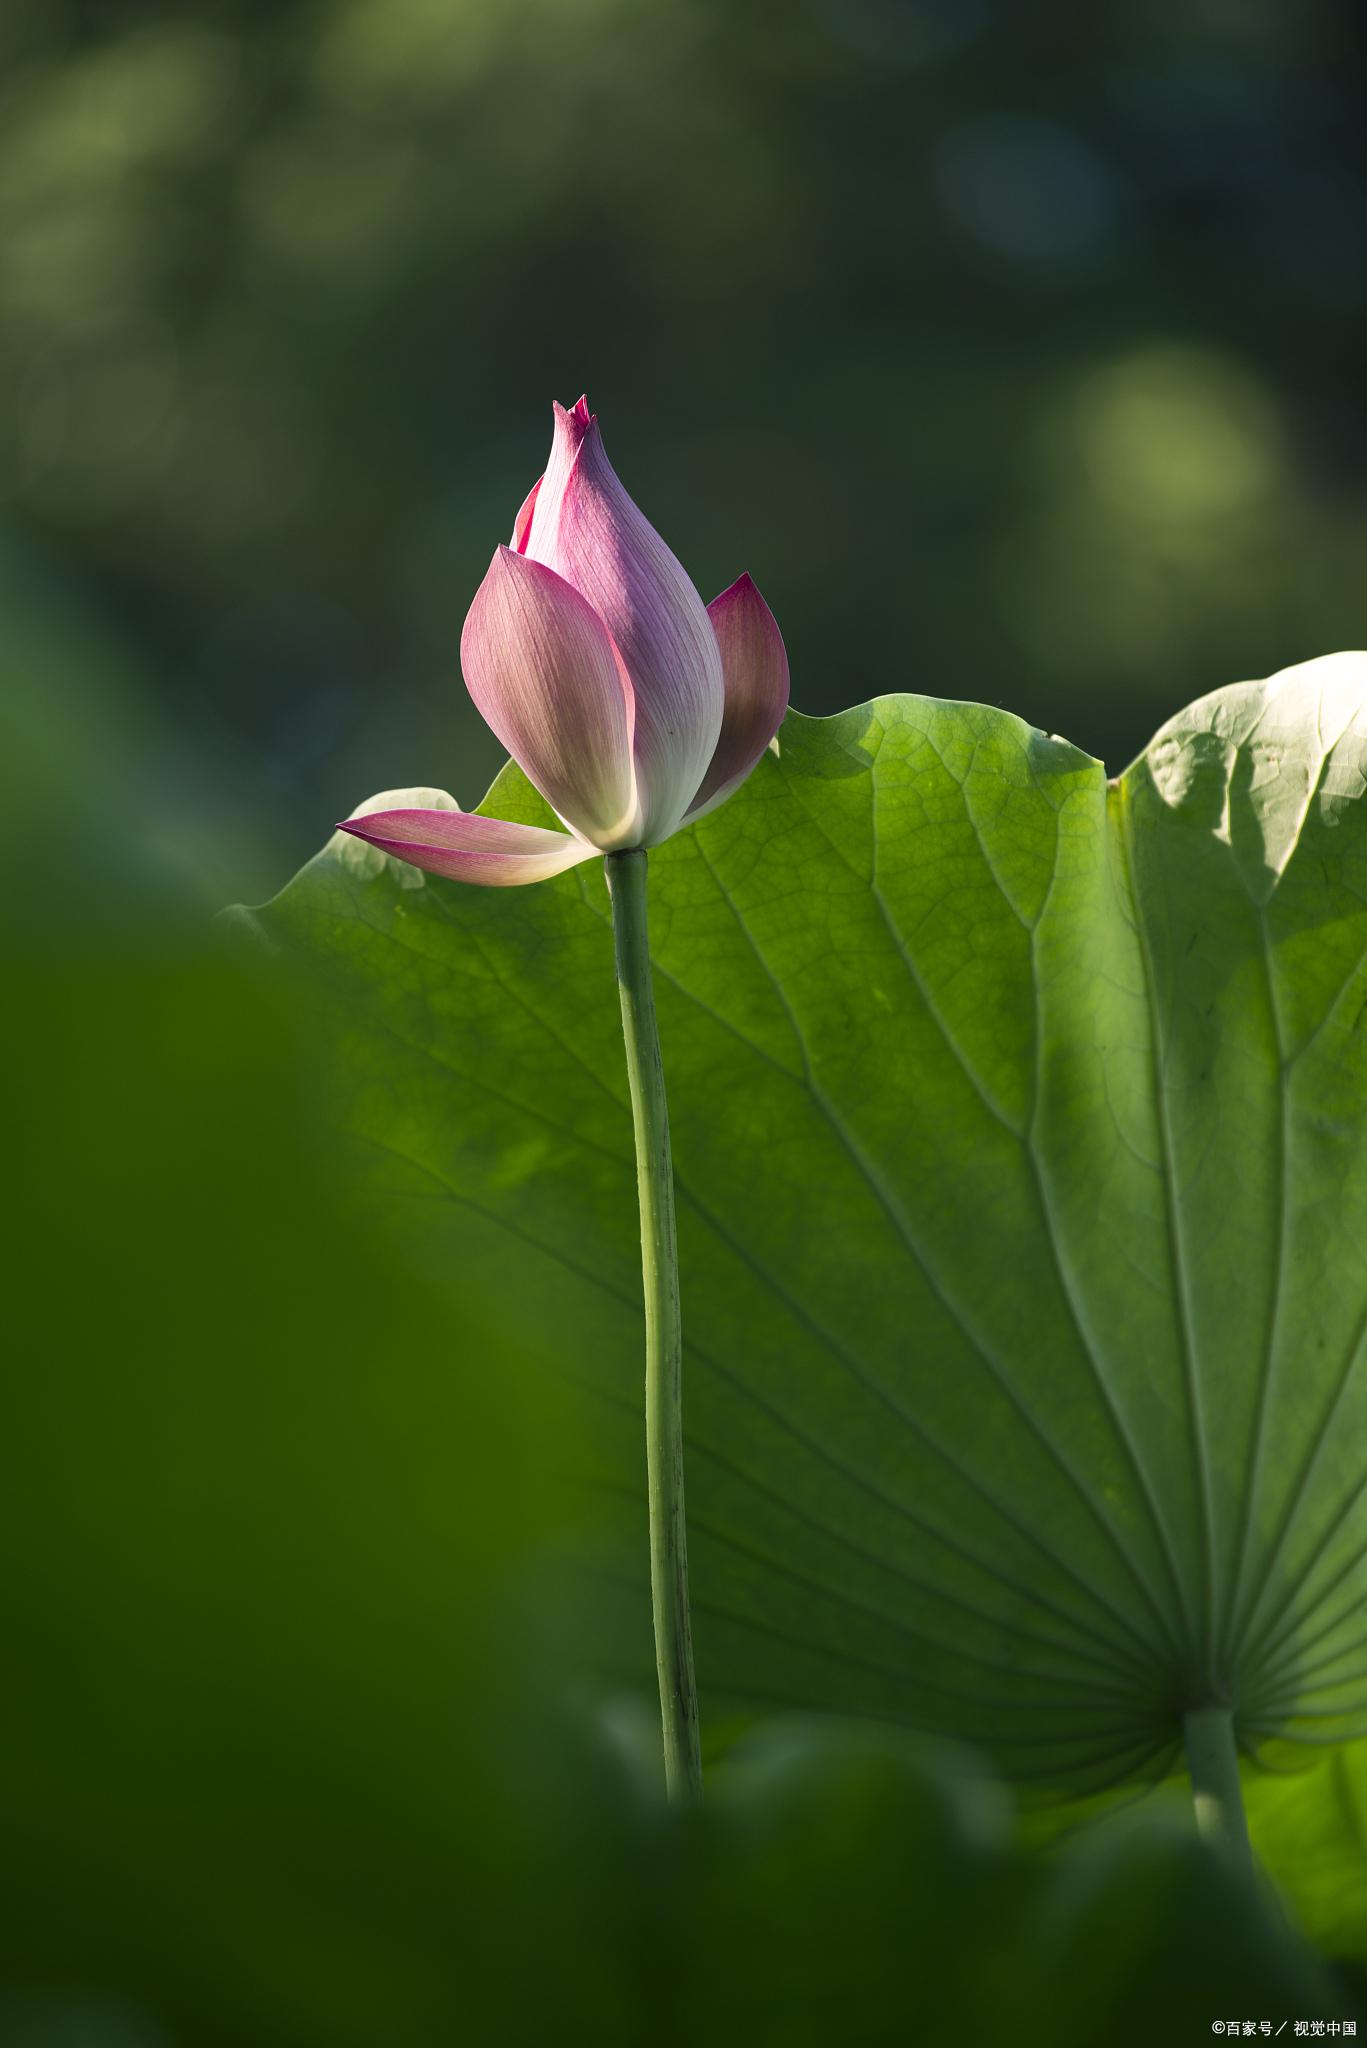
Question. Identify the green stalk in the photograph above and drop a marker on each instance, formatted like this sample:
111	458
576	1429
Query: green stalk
626	873
1213	1760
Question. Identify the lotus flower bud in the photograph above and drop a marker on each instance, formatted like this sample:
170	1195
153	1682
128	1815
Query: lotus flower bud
629	704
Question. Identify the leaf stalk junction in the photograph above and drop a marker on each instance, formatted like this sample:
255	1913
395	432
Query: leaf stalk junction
1213	1760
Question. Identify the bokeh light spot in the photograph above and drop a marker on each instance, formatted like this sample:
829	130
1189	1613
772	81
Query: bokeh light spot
1177	433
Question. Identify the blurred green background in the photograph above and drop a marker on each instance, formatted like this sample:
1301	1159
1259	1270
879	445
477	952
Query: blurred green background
1017	352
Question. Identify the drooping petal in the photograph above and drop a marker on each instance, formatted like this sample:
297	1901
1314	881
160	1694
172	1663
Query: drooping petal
522	525
549	682
590	532
468	848
755	668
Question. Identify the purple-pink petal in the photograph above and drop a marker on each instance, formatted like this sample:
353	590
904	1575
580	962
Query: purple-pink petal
570	427
468	848
591	533
522	525
548	681
755	668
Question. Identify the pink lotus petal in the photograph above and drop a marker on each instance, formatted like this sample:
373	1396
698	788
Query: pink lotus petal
468	848
755	666
547	679
522	525
591	533
566	441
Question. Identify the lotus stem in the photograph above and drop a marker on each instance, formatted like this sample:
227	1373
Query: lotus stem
1213	1760
626	875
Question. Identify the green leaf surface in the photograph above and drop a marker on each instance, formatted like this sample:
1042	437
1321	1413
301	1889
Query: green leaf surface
1019	1125
1311	1831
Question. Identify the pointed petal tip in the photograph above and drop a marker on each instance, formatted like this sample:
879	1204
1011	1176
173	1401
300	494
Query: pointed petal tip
744	586
574	425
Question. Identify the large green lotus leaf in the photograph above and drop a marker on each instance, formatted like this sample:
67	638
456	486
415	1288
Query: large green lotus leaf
1311	1831
1021	1137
